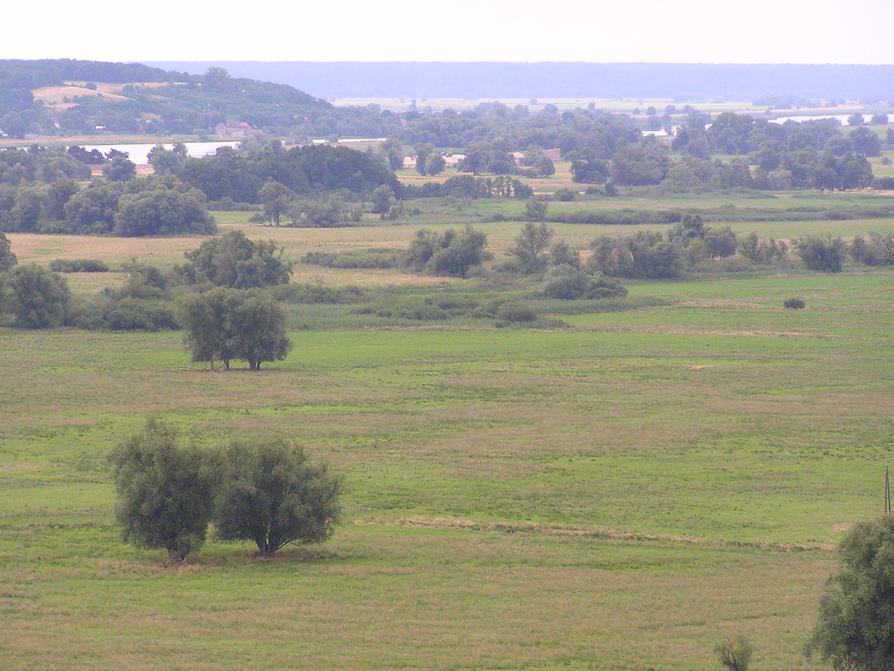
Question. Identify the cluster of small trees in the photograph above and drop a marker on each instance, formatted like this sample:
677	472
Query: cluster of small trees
41	164
322	211
223	299
827	254
266	492
565	276
142	207
645	254
570	282
467	186
689	243
428	160
238	318
877	249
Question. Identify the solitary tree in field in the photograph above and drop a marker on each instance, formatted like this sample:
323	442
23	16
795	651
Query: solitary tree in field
276	199
272	495
531	245
394	152
382	201
423	151
535	209
855	628
226	324
735	654
165	492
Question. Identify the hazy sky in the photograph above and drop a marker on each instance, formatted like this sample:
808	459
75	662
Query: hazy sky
746	31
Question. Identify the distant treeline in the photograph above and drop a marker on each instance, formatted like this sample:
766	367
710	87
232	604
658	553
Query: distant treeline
677	81
40	190
629	216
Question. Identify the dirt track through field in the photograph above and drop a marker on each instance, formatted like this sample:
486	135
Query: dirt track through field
587	532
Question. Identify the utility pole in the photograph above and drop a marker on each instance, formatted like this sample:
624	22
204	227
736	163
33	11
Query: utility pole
887	491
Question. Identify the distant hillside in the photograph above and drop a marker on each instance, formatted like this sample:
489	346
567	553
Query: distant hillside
76	97
570	80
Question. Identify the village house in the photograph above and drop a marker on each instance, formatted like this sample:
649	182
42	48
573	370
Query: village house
238	129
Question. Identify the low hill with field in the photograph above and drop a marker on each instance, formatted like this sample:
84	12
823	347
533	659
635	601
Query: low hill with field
67	97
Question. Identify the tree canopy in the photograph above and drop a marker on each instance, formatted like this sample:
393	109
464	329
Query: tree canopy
36	297
165	492
271	494
7	258
162	211
855	627
225	324
232	260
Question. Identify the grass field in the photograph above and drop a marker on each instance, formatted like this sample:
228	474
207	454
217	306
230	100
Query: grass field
620	493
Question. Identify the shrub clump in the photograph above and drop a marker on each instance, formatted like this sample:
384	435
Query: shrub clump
446	253
317	293
78	266
794	304
516	313
129	314
413	308
568	283
355	258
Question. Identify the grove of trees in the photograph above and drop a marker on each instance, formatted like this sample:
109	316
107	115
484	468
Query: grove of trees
265	491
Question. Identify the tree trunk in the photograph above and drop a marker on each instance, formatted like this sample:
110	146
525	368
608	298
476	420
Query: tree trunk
175	558
265	549
226	364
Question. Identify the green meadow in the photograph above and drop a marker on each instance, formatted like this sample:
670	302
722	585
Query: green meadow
612	490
